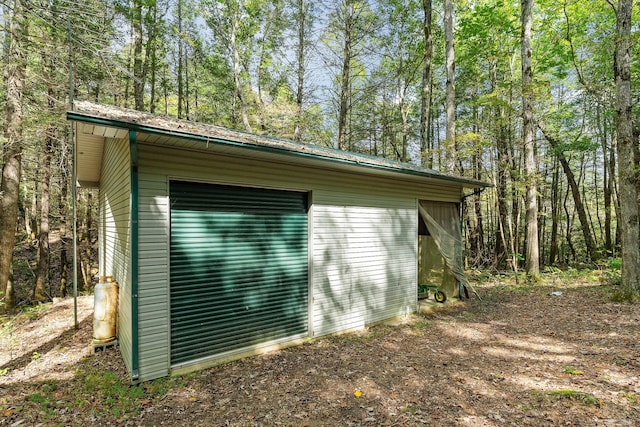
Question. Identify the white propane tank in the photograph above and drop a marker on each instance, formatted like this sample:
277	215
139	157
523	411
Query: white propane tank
105	310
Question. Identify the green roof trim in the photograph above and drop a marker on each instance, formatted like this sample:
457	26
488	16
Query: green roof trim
160	125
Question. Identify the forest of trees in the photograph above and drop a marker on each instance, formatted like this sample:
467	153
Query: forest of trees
536	97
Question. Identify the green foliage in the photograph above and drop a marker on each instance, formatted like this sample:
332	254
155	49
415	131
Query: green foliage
524	287
113	393
572	64
50	387
420	325
614	263
33	312
570	394
621	294
571	370
482	276
612	275
631	397
37	398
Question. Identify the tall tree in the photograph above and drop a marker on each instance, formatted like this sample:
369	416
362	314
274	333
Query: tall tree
302	16
15	65
269	38
235	29
181	54
425	98
450	142
347	40
575	192
348	12
234	13
49	74
528	131
39	293
393	82
627	164
138	59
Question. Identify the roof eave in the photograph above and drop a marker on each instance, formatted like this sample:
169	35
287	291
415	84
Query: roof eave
406	169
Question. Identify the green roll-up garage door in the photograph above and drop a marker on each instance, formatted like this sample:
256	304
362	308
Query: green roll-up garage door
238	268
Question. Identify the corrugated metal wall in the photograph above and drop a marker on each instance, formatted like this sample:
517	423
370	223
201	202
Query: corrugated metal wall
115	237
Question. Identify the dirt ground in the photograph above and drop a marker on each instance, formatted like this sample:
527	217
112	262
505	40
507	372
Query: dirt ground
519	357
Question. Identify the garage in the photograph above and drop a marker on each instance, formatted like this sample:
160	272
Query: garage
227	244
238	268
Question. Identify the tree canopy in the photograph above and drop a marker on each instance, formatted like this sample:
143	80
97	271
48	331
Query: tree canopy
361	75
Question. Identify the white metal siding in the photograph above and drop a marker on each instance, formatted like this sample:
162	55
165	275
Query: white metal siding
363	239
115	226
153	265
243	171
365	264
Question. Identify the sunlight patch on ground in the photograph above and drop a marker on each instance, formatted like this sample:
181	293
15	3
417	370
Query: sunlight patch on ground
457	351
484	388
508	353
37	351
541	344
471	333
537	383
40	366
479	421
621	379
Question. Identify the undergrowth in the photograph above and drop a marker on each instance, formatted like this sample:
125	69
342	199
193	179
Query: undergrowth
105	394
575	395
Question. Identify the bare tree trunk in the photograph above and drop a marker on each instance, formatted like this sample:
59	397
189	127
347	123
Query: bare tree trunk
425	106
505	247
151	61
165	90
180	70
14	76
39	292
607	180
577	199
627	167
532	251
33	209
450	141
479	225
138	62
88	241
235	57
404	116
187	90
27	223
127	73
569	230
616	193
300	50
555	183
345	76
64	269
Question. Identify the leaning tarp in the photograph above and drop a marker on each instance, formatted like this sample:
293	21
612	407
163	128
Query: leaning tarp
443	221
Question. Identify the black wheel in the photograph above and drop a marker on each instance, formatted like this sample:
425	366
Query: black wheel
440	296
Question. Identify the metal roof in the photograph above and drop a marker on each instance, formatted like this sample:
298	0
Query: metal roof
95	123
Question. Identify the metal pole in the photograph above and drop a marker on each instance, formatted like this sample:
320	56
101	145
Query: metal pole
73	186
